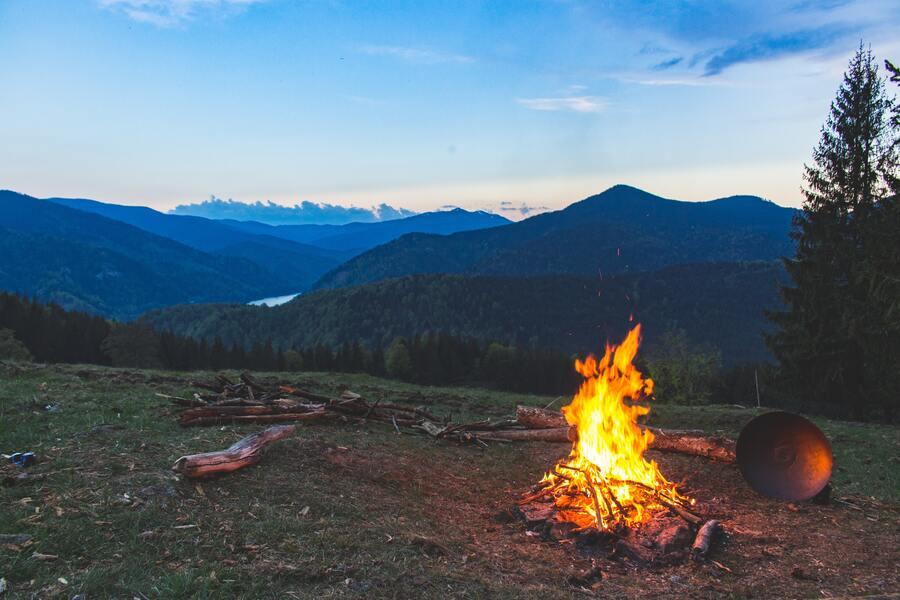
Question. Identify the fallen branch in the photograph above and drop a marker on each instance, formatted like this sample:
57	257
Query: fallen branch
242	453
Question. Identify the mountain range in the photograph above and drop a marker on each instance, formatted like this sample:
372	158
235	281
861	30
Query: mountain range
120	260
89	262
623	229
296	265
359	237
566	280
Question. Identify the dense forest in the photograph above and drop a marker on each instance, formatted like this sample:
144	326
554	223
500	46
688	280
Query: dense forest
30	330
686	372
716	304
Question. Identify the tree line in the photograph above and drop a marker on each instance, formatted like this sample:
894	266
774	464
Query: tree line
686	372
30	330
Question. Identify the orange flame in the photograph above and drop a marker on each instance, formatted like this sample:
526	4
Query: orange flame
606	482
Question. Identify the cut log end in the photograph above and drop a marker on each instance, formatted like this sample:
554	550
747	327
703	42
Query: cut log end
705	538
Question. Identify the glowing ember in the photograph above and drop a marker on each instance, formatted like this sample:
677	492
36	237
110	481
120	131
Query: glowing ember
606	482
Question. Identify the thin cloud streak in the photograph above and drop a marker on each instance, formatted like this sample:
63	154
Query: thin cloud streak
409	54
168	13
579	104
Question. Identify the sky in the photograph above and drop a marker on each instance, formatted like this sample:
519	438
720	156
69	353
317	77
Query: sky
509	106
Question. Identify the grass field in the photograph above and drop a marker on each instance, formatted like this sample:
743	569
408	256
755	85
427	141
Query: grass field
356	510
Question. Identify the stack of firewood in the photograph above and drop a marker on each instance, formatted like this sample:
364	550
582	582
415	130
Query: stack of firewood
249	401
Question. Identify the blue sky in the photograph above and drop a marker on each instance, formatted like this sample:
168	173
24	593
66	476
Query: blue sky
420	104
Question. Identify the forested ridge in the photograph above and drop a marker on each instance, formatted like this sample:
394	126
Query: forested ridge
716	304
621	230
88	262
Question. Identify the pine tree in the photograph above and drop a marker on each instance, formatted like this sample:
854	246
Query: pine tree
13	349
398	362
821	343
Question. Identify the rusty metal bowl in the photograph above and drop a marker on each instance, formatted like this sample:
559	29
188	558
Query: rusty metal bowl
784	456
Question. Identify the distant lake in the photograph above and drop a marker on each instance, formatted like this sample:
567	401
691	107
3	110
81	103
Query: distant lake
274	300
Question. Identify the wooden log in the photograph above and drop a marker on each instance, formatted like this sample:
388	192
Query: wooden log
705	537
242	453
690	441
182	401
250	409
707	446
534	417
560	434
277	418
287	389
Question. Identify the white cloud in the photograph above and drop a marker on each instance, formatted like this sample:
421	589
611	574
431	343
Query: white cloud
167	13
581	104
416	55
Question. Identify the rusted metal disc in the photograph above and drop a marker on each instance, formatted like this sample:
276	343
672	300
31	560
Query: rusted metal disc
784	456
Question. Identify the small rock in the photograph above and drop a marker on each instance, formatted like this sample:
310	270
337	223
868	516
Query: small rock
3	585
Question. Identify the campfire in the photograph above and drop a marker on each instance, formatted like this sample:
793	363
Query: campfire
606	495
606	482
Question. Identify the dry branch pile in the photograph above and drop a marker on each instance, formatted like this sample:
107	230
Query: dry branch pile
249	401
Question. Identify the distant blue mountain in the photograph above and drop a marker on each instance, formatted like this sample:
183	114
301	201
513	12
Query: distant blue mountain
621	230
296	265
359	237
86	261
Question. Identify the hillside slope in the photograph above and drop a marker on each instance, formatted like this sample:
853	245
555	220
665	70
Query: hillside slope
296	265
621	230
359	237
719	304
89	262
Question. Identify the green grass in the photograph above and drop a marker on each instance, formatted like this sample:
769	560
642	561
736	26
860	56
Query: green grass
343	510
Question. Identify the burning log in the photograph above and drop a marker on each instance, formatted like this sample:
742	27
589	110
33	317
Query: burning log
243	453
704	539
554	428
